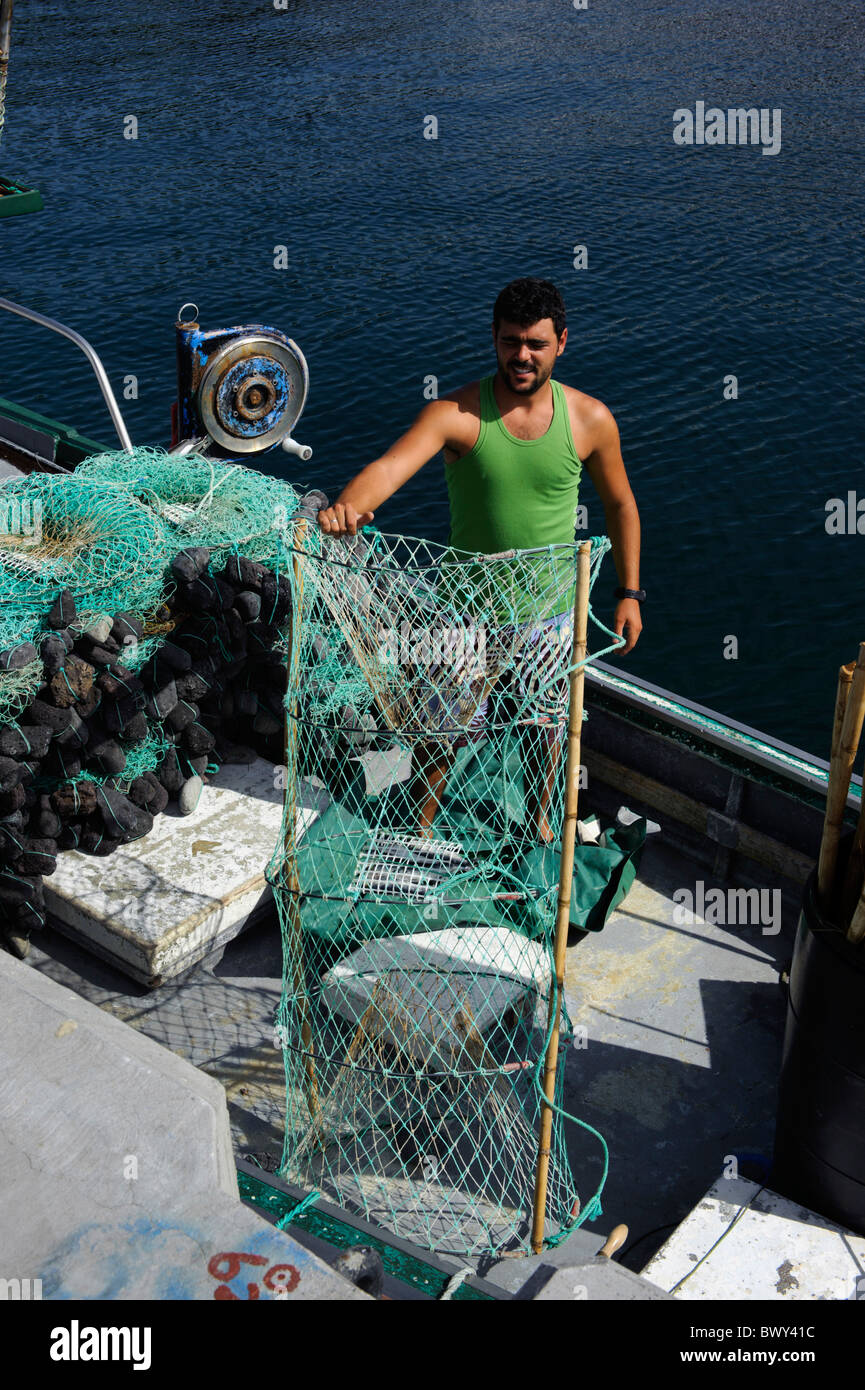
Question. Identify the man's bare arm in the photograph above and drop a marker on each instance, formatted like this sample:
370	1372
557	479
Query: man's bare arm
606	469
360	499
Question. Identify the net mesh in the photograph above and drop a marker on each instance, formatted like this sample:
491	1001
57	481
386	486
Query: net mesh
416	880
230	508
107	534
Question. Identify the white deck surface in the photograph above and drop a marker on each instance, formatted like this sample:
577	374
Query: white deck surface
775	1250
174	898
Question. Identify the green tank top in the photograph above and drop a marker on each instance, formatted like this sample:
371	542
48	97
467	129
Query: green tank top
519	494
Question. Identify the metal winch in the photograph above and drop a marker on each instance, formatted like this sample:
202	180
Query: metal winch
239	390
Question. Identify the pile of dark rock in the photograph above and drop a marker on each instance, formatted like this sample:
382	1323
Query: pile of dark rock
211	692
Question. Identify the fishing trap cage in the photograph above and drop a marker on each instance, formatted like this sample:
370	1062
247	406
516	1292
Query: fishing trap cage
417	879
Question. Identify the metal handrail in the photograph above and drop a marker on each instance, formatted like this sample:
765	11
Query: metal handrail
92	357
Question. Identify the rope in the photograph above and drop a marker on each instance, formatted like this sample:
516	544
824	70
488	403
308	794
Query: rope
455	1283
308	1201
723	1236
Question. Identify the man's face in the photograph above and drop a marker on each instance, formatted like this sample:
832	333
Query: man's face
526	356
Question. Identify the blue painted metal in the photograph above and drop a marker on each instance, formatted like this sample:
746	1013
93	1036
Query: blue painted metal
233	380
262	378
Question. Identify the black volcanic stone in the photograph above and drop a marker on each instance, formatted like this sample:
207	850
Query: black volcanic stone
14	658
162	701
136	729
127	627
170	774
201	595
39	857
18	890
49	716
197	740
248	605
122	818
147	792
62	764
275	600
188	564
107	757
192	686
12	800
181	716
87	707
62	611
76	733
105	846
10	770
30	741
251	573
118	681
118	715
46	821
12	842
171	657
52	650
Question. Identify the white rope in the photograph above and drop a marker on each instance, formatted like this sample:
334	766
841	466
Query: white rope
454	1283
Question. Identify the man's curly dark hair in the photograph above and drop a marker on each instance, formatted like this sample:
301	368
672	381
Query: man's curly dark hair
527	300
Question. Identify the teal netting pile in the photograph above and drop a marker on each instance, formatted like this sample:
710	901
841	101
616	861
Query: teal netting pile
107	534
72	533
141	646
417	880
225	506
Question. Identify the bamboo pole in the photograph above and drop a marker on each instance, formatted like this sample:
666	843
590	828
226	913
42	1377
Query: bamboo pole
566	874
295	934
846	729
856	930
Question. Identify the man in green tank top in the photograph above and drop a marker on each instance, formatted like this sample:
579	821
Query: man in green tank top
515	445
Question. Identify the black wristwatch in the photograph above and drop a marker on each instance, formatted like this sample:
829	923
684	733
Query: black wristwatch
638	594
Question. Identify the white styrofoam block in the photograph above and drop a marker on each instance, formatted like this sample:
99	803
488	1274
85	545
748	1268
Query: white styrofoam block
776	1250
422	983
163	903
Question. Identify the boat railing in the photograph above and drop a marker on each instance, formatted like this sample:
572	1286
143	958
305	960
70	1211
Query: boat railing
89	352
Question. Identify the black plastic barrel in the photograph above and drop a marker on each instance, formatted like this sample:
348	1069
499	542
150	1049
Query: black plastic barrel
820	1136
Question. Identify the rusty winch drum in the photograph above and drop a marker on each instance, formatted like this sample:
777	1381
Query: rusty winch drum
239	390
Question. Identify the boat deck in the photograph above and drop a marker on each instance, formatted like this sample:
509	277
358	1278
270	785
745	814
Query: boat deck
677	1066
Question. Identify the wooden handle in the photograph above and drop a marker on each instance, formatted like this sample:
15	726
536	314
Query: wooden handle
615	1240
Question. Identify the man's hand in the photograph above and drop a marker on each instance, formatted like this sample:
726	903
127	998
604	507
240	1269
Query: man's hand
627	622
342	520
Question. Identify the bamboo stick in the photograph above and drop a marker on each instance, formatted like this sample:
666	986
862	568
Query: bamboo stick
295	935
846	729
856	930
566	874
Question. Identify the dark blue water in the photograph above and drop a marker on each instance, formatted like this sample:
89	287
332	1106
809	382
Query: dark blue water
304	127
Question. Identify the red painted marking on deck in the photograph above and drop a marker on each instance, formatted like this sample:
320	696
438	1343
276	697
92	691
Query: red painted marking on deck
279	1279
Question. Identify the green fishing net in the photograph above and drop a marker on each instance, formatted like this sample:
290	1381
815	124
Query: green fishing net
231	508
416	880
108	533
